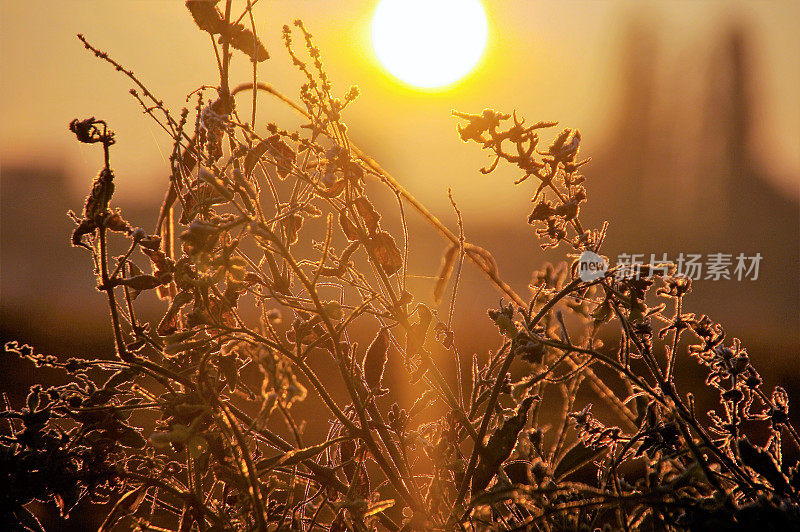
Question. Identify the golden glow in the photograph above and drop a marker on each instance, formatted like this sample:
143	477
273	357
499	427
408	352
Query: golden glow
429	43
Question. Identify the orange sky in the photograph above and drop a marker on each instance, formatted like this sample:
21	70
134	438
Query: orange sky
549	60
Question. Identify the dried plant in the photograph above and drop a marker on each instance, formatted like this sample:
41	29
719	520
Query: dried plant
281	261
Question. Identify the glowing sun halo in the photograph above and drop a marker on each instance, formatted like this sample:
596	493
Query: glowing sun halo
429	43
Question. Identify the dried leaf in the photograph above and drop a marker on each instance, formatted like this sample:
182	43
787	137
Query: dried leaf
217	184
541	212
84	228
602	312
282	154
335	188
141	282
578	456
208	18
127	504
348	227
252	157
28	520
499	446
416	337
230	370
161	264
368	214
374	362
131	437
221	311
169	323
243	40
360	480
115	222
291	225
441	329
762	462
347	454
120	377
310	210
98	199
134	270
206	15
383	246
199	237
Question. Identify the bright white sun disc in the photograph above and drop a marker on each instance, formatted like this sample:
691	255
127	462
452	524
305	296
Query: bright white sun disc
429	43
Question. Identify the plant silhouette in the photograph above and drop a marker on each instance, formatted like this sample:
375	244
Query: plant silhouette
270	257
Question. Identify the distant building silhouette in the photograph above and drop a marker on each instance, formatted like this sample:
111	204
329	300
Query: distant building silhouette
679	172
47	288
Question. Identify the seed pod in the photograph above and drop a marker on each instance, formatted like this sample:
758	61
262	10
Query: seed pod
448	261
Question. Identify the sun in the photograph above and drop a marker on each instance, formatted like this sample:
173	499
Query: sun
429	43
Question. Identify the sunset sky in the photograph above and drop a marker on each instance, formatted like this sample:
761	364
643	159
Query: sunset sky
548	60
